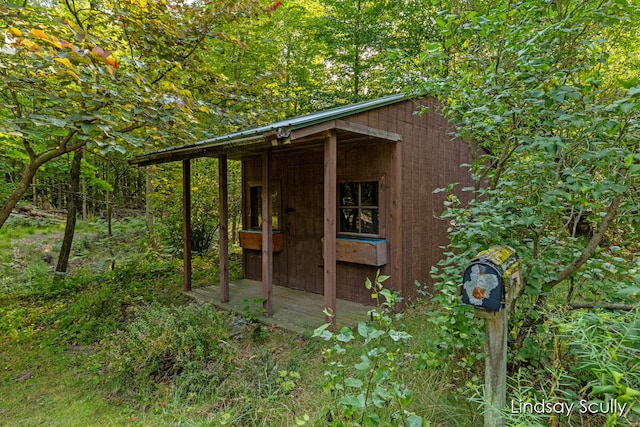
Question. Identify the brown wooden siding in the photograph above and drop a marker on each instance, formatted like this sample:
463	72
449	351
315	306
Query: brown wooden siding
430	159
299	171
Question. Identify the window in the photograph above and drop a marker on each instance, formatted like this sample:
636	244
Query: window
255	207
358	207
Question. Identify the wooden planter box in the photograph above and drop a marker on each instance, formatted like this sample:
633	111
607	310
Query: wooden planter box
252	239
361	251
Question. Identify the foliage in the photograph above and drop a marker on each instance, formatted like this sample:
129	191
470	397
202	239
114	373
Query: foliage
369	392
606	347
252	309
167	202
104	76
356	34
184	346
49	331
458	334
93	301
203	230
585	361
538	87
106	304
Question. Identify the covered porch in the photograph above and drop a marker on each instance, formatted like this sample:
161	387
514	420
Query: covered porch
323	135
296	311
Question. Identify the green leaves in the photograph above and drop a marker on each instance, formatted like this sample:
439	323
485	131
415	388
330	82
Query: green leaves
370	390
551	98
345	335
111	77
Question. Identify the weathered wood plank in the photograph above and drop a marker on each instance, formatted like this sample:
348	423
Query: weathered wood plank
250	239
295	310
495	370
267	234
367	130
329	249
186	223
370	252
396	269
323	130
223	212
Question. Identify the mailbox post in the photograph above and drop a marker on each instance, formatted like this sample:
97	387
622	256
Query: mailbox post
490	284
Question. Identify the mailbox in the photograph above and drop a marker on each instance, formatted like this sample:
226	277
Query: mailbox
486	278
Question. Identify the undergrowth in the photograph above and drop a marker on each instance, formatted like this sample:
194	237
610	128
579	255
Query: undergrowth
118	339
184	349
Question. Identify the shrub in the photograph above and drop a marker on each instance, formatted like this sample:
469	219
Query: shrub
591	363
97	306
203	231
370	391
185	347
606	347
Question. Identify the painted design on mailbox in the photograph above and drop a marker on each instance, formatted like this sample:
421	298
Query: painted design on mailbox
479	285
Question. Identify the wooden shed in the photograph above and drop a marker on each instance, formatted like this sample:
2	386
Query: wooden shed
350	192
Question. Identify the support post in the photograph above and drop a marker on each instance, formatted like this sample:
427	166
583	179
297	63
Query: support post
396	244
223	231
186	222
329	248
495	366
267	234
148	203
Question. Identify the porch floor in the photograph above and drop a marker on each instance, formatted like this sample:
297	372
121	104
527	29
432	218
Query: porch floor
293	310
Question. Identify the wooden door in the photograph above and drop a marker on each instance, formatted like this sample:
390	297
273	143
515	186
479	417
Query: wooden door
303	213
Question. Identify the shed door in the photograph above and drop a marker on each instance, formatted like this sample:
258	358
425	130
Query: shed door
303	213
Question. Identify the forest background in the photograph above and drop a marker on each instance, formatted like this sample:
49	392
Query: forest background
551	89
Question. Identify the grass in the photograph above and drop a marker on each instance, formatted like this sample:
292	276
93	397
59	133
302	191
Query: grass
52	367
57	392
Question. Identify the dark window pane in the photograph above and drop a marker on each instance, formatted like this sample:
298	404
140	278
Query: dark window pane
369	194
369	221
349	220
349	194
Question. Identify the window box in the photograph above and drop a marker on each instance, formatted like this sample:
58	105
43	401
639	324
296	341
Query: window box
252	239
361	251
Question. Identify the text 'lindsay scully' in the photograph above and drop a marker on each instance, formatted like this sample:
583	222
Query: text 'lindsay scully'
612	406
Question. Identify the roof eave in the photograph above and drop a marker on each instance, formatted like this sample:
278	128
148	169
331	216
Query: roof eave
257	137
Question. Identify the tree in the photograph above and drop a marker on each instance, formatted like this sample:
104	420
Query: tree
73	201
357	34
543	87
83	74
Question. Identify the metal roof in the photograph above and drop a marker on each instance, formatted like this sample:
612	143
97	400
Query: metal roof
254	136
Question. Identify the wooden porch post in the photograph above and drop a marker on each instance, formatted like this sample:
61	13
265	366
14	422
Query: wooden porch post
396	218
186	222
223	232
329	248
267	237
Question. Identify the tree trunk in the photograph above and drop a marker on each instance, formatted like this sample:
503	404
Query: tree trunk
530	321
30	171
73	200
109	226
18	192
108	197
35	192
84	199
234	227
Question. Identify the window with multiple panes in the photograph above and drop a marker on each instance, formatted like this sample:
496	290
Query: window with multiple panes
358	208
